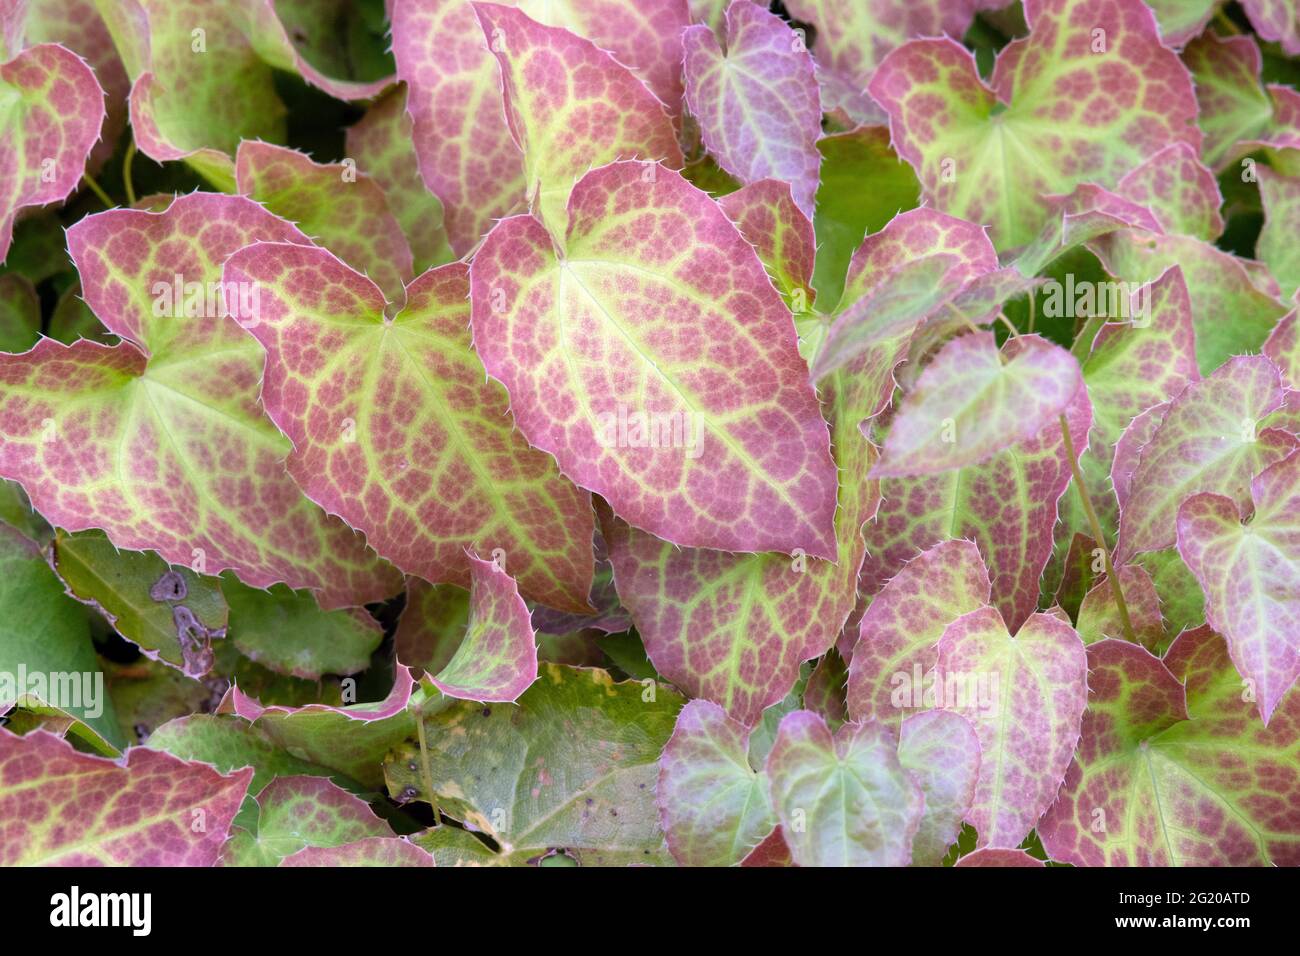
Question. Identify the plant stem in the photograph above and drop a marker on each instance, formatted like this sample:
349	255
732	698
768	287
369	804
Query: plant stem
126	173
1032	311
1097	534
424	767
98	191
1223	21
1015	332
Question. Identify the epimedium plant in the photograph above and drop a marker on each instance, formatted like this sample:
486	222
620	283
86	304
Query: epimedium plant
846	433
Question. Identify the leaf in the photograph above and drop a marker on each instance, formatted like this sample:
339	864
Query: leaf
497	660
76	24
898	636
432	625
843	800
382	146
713	806
46	654
1218	283
591	110
328	48
646	307
766	215
572	766
990	856
1140	361
852	38
51	112
1070	105
1085	214
826	689
967	405
1099	614
773	851
735	628
845	211
300	812
1281	198
757	104
350	740
1182	603
1008	506
1275	20
911	235
287	632
1237	113
1150	787
1182	193
138	811
1025	696
20	313
172	443
147	694
372	851
228	743
1206	442
1128	450
1181	20
428	464
874	334
343	210
941	750
465	152
170	613
194	95
467	155
1249	574
1283	347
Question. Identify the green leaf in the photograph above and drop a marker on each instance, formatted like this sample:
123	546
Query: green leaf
572	765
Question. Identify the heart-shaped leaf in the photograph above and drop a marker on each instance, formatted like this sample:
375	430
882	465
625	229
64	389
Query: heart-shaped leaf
596	346
428	465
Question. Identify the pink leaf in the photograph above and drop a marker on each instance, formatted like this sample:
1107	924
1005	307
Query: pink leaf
64	808
1025	696
1149	787
53	114
429	464
898	636
942	751
1206	442
570	106
713	807
595	344
757	104
1087	96
968	405
497	661
1008	506
1251	576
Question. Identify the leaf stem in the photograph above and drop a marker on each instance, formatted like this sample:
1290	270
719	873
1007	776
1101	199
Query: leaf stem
424	767
126	173
1097	534
98	191
1223	20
